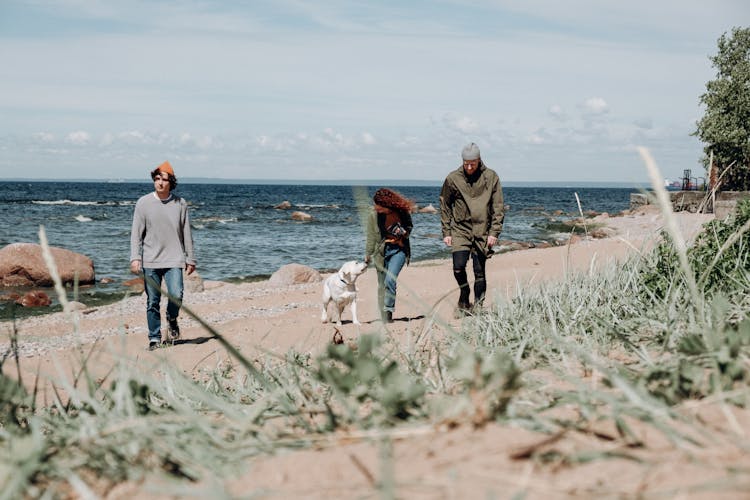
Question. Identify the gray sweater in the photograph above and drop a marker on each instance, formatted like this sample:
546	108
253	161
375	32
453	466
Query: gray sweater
161	236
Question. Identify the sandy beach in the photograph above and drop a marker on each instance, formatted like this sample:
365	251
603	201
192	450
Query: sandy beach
257	317
261	316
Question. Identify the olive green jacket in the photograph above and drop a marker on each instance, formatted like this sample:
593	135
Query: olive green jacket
472	209
376	234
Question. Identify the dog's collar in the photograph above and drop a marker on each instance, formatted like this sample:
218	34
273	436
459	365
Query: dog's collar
344	281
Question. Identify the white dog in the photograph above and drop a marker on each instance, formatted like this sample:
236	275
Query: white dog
340	289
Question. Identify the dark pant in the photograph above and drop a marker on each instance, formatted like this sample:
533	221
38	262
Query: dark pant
460	259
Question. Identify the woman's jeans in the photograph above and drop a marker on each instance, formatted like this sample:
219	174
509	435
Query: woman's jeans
395	258
152	279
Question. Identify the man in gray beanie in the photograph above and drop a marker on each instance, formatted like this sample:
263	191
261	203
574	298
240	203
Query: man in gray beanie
471	216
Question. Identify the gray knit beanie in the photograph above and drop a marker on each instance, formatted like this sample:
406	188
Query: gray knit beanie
470	152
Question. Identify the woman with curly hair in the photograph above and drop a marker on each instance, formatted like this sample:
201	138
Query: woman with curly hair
388	228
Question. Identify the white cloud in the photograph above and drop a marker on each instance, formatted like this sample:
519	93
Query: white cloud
467	125
369	139
133	137
78	138
596	106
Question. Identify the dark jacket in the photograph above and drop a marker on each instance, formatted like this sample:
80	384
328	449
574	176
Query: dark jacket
377	233
471	208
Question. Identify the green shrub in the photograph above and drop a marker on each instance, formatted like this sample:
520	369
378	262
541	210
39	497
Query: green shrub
718	263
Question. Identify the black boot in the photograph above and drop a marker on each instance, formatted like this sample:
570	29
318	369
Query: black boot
463	309
173	331
388	317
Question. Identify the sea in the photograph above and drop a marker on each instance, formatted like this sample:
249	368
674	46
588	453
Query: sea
239	235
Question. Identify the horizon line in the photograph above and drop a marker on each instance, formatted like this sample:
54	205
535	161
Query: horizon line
326	182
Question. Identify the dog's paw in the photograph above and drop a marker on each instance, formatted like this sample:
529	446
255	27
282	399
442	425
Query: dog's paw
356	322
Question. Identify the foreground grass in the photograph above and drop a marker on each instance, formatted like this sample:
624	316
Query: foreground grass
605	353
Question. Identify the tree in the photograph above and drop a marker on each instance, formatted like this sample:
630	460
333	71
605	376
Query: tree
725	127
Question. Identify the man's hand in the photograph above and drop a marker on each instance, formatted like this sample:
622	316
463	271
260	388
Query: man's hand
367	259
491	241
135	266
448	240
189	268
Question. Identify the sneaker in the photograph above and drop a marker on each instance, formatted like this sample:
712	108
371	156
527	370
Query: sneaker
388	318
173	332
153	345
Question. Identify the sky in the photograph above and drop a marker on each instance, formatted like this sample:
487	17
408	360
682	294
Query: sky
349	89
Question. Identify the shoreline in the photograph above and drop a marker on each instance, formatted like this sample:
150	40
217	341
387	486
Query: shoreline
240	235
105	290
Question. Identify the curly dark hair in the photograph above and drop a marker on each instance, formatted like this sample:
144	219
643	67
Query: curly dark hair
172	178
391	199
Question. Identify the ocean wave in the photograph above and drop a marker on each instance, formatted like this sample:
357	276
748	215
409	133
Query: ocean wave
62	202
313	205
82	218
220	220
82	203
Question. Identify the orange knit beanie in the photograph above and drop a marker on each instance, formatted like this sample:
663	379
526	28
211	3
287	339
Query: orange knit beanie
166	168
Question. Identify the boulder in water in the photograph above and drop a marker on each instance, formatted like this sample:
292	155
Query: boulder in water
22	264
302	216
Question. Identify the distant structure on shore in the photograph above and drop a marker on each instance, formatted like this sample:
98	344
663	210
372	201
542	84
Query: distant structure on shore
686	183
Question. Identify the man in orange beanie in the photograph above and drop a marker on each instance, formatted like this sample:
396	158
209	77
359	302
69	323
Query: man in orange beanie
161	246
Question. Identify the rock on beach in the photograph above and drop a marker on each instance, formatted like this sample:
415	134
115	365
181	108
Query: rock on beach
35	298
22	264
293	274
136	285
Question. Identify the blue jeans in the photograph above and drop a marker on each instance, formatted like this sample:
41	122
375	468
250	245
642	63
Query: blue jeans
173	278
395	258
